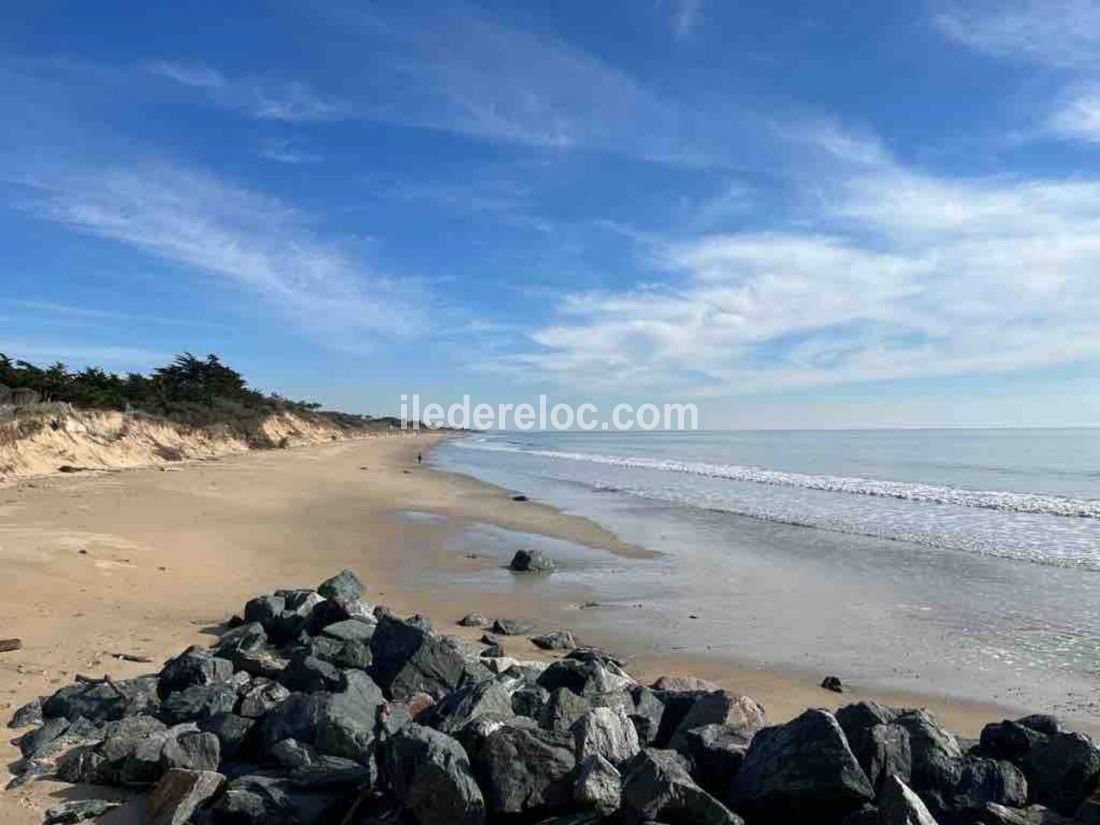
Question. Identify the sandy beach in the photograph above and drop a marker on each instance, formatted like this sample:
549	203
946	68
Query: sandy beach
147	561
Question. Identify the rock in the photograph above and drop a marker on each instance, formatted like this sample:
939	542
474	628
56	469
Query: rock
832	683
492	652
103	701
290	753
936	755
607	732
519	497
348	720
431	778
585	678
864	815
455	710
260	697
123	737
408	659
715	753
598	785
531	561
880	746
344	584
530	700
296	718
1009	740
472	620
232	731
800	768
994	814
683	684
1061	767
721	707
358	629
982	781
648	710
1062	770
898	805
34	743
657	786
264	609
196	751
558	640
335	773
512	627
262	799
78	810
179	793
308	674
84	765
195	666
525	769
491	639
198	702
562	709
27	715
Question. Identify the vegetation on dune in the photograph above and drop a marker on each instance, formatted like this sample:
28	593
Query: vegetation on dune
197	392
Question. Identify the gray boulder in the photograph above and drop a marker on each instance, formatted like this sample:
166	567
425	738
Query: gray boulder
260	697
898	805
525	769
233	732
557	640
715	753
598	785
198	702
936	756
344	584
512	627
195	666
606	732
740	713
307	674
408	659
194	750
799	768
531	561
656	786
431	778
455	710
103	702
179	793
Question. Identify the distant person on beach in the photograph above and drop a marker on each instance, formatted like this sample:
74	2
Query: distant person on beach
418	458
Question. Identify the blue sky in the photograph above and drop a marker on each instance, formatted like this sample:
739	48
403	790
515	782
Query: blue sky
795	214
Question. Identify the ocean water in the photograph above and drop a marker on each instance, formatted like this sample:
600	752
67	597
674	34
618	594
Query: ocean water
957	562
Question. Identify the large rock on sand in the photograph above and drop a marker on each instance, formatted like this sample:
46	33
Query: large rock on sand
431	778
802	768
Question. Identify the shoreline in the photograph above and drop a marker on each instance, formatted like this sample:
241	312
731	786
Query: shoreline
145	562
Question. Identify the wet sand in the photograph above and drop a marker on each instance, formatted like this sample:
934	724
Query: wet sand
148	561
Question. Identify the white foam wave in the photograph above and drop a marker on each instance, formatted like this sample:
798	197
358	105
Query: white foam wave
907	491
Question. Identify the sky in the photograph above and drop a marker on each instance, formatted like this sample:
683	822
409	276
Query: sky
791	213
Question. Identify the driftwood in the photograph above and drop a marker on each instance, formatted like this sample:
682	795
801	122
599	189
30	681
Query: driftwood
132	657
7	645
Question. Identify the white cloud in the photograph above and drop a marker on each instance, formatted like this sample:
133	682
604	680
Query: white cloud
472	76
263	99
285	151
915	276
256	242
1078	117
1062	33
684	16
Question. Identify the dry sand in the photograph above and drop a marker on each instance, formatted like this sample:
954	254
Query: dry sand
148	561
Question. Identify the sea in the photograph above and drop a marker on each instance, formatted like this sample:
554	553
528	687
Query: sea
956	562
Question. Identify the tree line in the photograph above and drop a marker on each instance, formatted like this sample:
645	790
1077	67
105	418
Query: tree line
190	390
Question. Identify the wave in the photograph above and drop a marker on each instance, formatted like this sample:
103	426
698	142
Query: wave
908	491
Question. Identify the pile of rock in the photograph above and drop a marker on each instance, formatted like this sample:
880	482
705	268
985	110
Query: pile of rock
318	708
